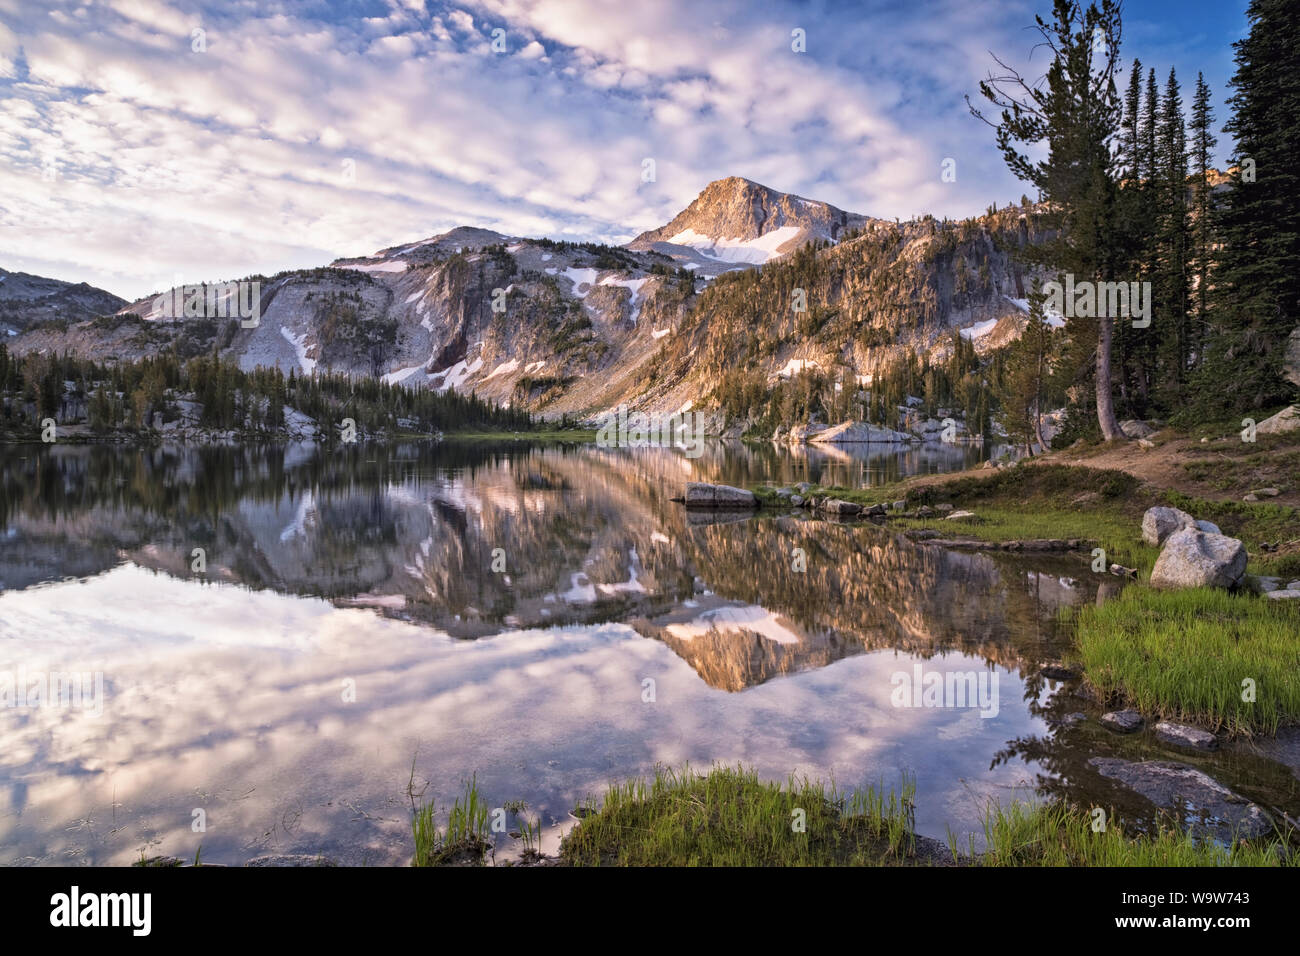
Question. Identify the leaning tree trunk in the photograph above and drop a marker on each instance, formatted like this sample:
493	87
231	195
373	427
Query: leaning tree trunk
1110	429
1038	428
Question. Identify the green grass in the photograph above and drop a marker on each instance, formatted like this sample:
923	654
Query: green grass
1184	655
463	841
1115	533
1022	503
1054	835
1074	501
729	817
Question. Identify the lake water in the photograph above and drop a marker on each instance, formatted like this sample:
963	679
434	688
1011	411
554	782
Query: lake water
373	626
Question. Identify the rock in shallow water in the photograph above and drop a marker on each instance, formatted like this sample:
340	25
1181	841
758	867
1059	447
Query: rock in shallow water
1058	672
1122	721
701	495
1181	735
1210	809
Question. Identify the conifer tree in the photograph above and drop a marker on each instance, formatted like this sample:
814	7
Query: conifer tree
1077	114
1202	146
1255	285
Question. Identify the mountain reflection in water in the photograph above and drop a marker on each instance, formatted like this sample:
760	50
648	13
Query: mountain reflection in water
349	623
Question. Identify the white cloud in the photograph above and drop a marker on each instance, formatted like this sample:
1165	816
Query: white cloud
229	161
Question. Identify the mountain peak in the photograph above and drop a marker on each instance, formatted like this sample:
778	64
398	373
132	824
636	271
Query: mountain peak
736	220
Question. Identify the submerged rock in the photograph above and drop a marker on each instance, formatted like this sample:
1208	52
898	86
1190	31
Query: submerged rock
1058	672
1193	558
1209	808
1122	721
1181	735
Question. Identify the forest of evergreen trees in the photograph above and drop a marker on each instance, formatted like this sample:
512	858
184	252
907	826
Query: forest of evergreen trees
1127	192
132	396
1128	180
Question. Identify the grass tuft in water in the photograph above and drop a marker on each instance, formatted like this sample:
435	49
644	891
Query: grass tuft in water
1221	661
1054	835
463	842
728	817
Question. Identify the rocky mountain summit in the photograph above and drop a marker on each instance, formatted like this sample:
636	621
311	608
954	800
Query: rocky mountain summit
744	276
735	220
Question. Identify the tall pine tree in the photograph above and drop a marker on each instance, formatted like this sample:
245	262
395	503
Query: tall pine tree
1202	149
1076	116
1255	294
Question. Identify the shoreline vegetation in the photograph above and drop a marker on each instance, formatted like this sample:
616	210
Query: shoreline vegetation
1178	655
728	816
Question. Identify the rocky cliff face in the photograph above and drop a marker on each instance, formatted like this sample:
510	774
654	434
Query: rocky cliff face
744	277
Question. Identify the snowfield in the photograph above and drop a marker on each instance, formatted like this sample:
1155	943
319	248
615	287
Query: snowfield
387	265
979	329
751	251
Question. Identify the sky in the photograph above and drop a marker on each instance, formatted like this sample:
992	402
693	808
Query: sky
144	143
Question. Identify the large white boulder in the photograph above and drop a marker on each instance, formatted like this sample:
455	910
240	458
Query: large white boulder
1193	559
1287	420
1159	523
702	495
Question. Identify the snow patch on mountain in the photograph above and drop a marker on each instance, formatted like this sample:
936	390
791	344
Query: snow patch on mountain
979	329
299	343
505	368
795	366
632	285
1050	316
456	376
751	251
